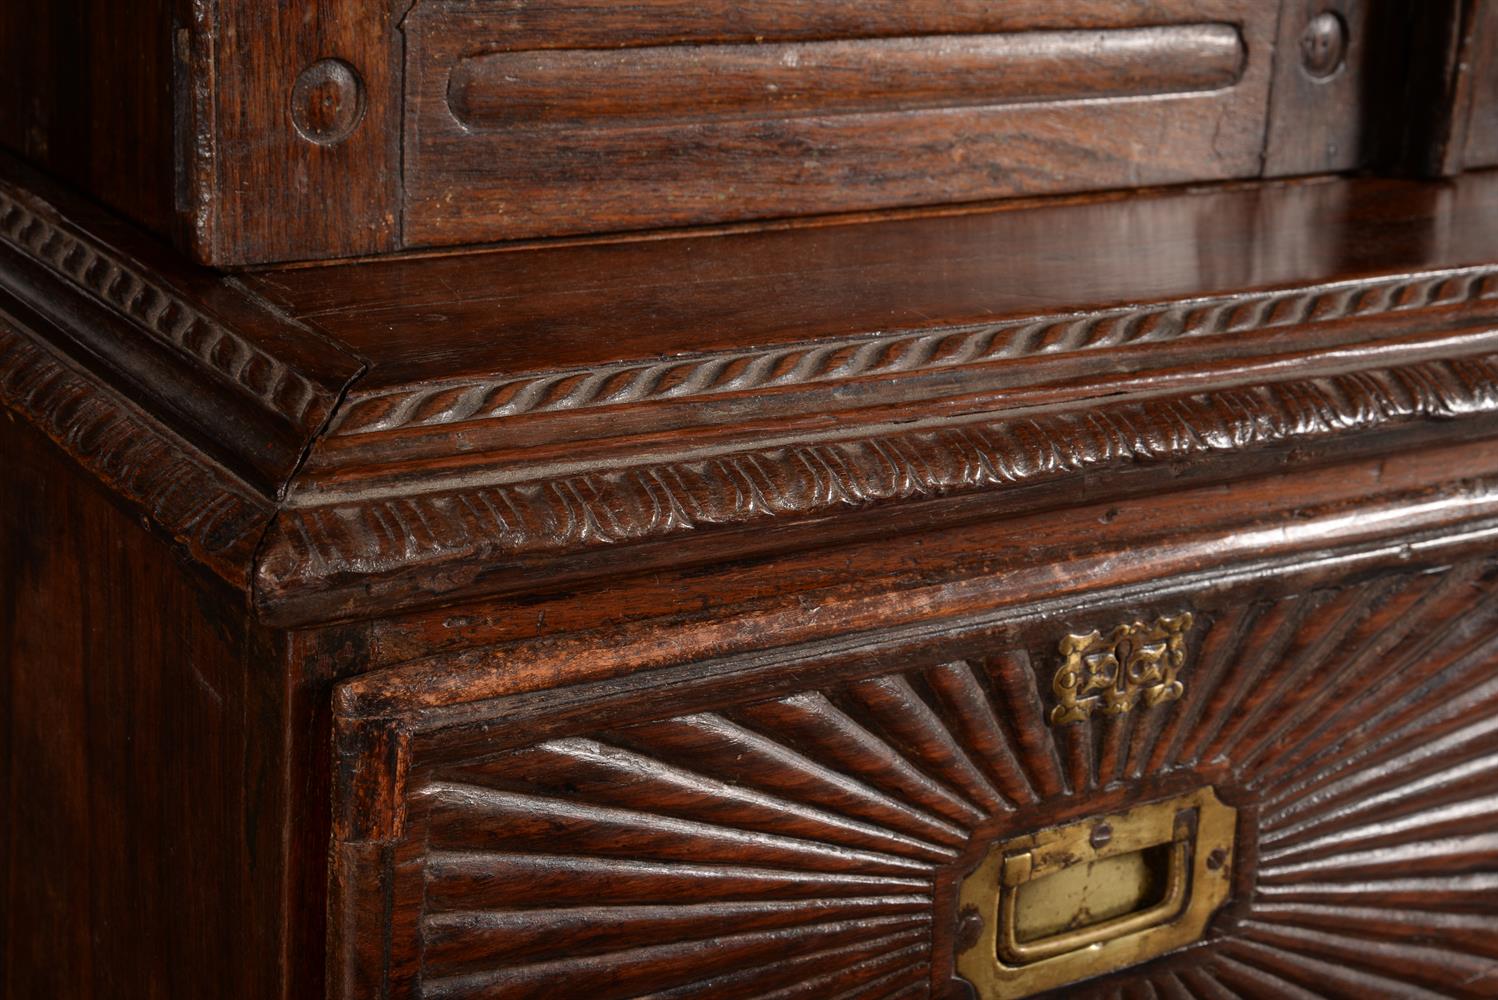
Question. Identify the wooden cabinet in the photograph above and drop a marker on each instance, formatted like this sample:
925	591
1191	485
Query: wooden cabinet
965	596
254	133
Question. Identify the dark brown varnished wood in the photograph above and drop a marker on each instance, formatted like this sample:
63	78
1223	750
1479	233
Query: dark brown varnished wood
144	840
928	103
89	95
893	779
1475	88
682	616
253	134
835	364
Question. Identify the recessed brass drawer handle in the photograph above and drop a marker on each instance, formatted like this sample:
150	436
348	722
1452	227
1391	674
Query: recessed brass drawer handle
1071	902
1017	953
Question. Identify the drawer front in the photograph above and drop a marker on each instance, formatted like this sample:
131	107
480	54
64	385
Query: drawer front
548	117
1327	751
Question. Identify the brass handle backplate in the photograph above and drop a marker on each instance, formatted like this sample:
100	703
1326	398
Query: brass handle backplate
1071	902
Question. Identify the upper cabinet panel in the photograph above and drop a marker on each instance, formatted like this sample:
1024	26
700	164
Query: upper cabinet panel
547	118
255	133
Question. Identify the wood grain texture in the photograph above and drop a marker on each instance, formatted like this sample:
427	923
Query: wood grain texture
1327	121
906	353
141	846
679	617
238	380
198	119
704	853
793	127
551	87
178	115
260	191
190	399
1443	90
505	524
215	517
481	426
502	465
1475	97
564	309
88	95
131	291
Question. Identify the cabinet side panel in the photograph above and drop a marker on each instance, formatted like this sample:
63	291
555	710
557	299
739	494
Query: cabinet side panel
142	843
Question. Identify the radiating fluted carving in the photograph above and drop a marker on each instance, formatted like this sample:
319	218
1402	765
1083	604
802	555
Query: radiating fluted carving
803	840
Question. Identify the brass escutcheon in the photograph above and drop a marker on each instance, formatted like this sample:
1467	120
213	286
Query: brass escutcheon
1135	663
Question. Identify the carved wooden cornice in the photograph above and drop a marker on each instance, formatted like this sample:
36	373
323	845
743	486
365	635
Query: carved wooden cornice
488	529
214	412
188	398
31	226
217	518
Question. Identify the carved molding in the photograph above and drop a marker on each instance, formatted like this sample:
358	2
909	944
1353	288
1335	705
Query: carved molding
218	519
126	288
904	352
655	502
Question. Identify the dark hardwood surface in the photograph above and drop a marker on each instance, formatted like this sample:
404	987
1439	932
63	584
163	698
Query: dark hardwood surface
144	843
341	601
739	112
619	373
1477	90
251	133
1344	679
499	419
89	95
539	308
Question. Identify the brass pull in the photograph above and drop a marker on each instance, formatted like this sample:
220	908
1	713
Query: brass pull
1071	902
1017	953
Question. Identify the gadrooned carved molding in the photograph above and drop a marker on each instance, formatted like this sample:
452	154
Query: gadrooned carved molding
654	502
126	289
215	517
821	361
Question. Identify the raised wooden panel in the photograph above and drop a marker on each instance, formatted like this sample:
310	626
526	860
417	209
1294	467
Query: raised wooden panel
550	118
265	181
809	842
255	133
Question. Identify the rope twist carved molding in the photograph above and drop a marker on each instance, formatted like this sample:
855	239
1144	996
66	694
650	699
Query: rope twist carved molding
659	501
812	362
217	521
166	315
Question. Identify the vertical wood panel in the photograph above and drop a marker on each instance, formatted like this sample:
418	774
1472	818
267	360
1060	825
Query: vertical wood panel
142	833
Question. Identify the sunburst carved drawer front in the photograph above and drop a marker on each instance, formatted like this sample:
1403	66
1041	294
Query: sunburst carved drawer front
811	839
